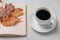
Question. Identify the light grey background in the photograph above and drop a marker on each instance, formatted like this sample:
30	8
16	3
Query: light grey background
54	5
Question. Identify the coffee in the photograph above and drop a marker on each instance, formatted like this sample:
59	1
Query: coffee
43	14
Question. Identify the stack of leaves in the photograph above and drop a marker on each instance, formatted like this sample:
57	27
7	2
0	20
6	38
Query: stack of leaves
9	15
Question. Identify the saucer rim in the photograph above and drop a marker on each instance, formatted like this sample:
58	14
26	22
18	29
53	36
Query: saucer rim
40	29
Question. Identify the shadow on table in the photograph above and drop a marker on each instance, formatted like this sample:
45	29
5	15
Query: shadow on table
13	36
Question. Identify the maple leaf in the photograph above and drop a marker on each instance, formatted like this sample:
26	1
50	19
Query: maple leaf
1	1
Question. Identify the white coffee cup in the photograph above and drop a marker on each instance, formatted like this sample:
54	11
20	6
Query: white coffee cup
43	22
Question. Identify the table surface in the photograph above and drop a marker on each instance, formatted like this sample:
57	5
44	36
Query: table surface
32	5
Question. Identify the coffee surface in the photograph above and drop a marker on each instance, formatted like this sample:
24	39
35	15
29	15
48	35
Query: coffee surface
43	14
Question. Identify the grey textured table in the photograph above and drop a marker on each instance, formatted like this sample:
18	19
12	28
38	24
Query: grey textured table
31	34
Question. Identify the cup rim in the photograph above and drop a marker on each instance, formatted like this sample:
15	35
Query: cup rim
45	8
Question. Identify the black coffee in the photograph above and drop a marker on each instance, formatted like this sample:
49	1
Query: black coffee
43	14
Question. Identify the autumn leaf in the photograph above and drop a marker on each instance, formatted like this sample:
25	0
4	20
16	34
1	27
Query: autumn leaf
1	1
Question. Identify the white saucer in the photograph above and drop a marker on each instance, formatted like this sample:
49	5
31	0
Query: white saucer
35	26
